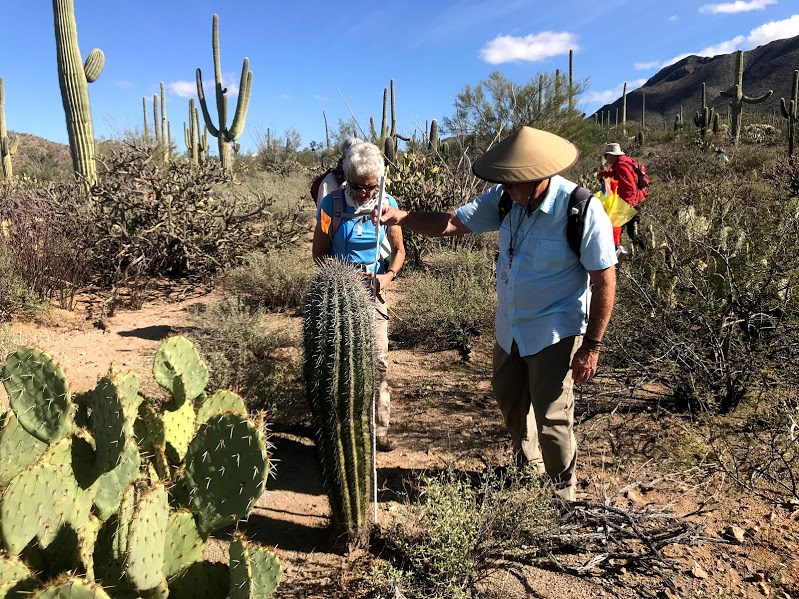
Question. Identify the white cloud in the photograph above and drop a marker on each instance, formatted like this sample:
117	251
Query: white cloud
673	18
646	66
184	89
533	47
610	95
735	7
319	98
187	89
774	30
768	32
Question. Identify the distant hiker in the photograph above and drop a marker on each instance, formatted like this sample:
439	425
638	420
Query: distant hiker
332	178
721	157
547	337
633	180
345	232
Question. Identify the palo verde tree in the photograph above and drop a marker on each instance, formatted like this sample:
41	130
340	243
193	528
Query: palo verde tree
497	106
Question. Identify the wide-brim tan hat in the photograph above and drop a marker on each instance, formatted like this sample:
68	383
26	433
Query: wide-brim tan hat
613	150
527	155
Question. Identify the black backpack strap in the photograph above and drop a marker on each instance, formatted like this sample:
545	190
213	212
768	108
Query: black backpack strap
505	204
338	211
575	214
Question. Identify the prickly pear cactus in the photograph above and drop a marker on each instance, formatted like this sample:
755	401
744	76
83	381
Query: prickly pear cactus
339	374
98	487
254	571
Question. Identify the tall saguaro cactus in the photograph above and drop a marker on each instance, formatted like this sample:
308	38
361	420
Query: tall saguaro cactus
225	135
339	373
73	78
624	110
789	111
705	119
7	148
738	99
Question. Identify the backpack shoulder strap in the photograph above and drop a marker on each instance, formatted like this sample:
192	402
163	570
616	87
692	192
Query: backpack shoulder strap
575	215
505	204
338	211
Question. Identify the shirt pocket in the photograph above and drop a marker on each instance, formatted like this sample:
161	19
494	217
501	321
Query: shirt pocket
550	255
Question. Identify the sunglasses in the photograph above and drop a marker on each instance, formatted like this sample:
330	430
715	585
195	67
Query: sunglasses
356	187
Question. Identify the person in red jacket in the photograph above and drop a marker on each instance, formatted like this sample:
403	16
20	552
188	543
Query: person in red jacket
622	168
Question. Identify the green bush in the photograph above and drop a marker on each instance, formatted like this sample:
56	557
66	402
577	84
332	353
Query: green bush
444	544
260	364
271	280
721	275
449	303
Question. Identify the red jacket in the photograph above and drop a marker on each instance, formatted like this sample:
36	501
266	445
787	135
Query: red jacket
625	174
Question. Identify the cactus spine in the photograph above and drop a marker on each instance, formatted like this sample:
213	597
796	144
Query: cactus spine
738	99
339	371
73	79
7	148
789	111
225	135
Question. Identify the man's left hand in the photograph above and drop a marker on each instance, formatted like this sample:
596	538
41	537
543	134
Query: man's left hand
584	364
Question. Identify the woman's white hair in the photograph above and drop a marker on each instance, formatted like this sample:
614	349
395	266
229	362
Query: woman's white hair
364	160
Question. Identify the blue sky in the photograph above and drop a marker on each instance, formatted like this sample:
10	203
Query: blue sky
311	56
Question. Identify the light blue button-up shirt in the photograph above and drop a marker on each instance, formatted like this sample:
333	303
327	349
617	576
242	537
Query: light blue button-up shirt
543	293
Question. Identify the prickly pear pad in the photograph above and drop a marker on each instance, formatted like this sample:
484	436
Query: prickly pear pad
109	487
226	468
184	546
26	509
107	423
18	448
145	555
221	401
178	430
177	357
38	393
254	571
73	588
13	575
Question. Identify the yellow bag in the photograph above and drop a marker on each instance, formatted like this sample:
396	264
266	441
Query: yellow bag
619	211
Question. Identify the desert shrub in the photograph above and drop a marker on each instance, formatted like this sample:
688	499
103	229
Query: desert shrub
15	297
720	276
258	362
424	181
760	133
49	238
275	280
448	303
177	219
760	452
444	544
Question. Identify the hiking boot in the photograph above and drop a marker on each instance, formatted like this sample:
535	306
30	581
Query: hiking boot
385	444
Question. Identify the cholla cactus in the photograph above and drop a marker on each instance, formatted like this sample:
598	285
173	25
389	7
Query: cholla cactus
339	374
115	485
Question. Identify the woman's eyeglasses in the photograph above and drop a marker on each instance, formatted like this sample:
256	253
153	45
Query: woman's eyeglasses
356	187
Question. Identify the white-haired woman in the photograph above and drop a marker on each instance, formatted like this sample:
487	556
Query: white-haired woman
344	232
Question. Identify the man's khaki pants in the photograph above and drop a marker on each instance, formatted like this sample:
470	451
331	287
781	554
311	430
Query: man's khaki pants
383	397
536	396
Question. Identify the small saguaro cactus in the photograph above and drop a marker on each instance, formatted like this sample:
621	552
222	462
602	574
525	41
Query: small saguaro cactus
146	133
191	134
624	110
789	111
339	372
225	135
7	148
704	119
738	99
433	143
73	79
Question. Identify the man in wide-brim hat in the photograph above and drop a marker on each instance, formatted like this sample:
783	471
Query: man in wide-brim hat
553	306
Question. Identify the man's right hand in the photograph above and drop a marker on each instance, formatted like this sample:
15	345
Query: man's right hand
390	216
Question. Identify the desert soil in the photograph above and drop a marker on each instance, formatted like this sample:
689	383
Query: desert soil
443	417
